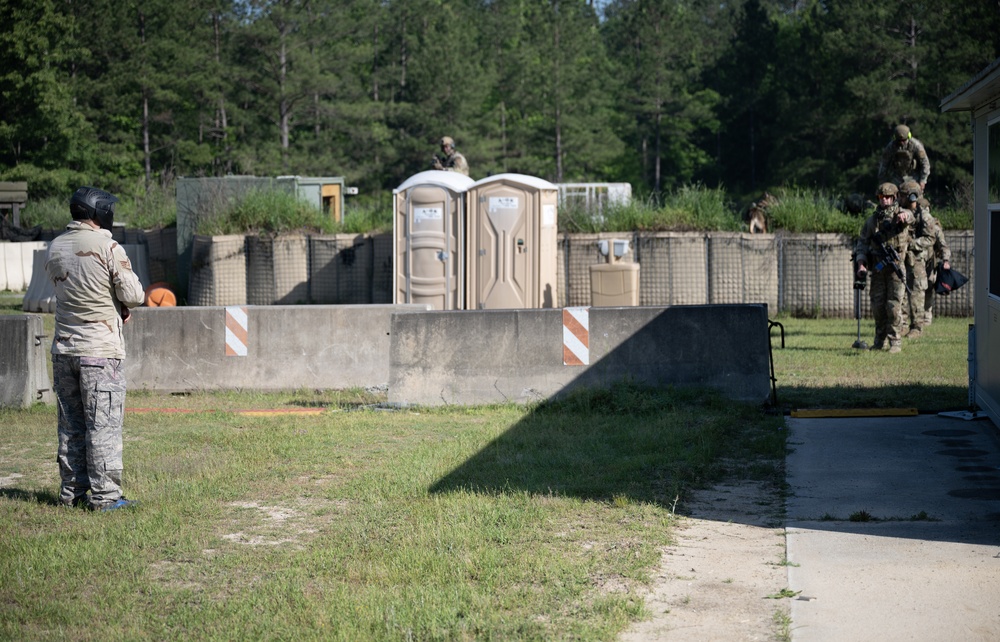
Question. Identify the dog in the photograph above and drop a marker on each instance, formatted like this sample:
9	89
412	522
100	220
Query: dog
757	214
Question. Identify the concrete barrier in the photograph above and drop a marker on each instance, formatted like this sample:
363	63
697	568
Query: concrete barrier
496	356
16	264
24	372
282	347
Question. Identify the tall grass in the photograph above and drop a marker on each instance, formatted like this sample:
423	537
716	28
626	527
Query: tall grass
691	207
266	212
136	208
800	210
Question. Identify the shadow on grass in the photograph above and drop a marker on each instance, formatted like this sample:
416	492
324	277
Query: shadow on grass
628	443
927	399
642	445
34	497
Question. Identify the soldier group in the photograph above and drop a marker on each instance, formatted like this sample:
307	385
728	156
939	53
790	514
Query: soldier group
901	245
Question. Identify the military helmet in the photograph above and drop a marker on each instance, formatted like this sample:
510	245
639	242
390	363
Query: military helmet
910	190
447	140
92	204
887	189
902	132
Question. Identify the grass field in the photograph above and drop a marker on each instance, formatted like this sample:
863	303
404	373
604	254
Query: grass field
363	523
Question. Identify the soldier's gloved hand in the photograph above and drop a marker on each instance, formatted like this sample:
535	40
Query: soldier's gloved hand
862	272
126	314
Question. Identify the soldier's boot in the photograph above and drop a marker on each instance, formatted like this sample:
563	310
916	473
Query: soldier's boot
895	346
879	342
914	332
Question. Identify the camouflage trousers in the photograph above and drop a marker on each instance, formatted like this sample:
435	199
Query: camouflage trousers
914	311
887	292
90	393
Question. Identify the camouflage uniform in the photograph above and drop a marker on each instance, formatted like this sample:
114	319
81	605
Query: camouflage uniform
886	289
939	253
93	280
904	162
920	253
455	162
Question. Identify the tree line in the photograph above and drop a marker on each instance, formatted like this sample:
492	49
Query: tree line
747	95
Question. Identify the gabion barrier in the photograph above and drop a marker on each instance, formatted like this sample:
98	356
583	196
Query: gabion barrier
802	274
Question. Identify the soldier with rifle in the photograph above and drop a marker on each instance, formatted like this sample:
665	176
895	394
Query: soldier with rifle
884	240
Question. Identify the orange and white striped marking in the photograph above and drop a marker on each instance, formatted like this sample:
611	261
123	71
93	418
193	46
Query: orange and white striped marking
236	331
576	336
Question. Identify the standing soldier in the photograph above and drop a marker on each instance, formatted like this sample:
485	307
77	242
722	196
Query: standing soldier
882	245
904	159
919	254
940	254
94	287
453	160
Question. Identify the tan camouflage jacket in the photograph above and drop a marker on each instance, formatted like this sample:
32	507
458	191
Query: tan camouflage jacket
900	163
93	279
922	237
456	163
894	233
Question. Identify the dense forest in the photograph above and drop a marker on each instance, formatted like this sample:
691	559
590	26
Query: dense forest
658	93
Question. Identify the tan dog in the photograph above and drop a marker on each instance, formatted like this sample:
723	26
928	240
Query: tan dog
757	214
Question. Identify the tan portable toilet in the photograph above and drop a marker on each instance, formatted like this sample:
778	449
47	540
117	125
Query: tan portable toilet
511	251
428	231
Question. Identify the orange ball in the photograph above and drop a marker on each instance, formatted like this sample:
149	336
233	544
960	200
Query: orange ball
159	295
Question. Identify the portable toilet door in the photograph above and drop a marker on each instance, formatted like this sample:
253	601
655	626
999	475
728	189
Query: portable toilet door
428	236
512	243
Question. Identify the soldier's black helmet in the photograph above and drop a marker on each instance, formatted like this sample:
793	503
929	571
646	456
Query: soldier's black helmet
90	203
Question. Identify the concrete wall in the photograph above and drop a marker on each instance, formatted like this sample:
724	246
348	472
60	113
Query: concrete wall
24	373
286	347
495	356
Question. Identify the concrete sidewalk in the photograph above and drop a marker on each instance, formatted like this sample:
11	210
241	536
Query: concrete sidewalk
927	564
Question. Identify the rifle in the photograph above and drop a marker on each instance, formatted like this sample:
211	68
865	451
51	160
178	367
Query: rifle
890	258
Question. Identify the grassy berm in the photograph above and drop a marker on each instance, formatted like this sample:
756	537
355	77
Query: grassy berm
363	523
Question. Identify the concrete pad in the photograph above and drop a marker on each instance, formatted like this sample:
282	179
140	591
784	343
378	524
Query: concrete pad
927	565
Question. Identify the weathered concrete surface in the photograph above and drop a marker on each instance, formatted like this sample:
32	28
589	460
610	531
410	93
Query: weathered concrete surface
927	565
24	373
496	356
287	347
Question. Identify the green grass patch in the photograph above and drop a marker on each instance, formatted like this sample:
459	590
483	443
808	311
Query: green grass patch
819	368
798	210
691	207
500	522
266	212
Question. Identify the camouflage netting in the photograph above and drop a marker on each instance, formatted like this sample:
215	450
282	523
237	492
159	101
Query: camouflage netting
162	246
817	275
383	250
963	255
673	268
277	270
743	268
340	268
218	270
803	274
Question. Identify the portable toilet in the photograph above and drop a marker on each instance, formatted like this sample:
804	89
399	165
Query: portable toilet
512	243
428	231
